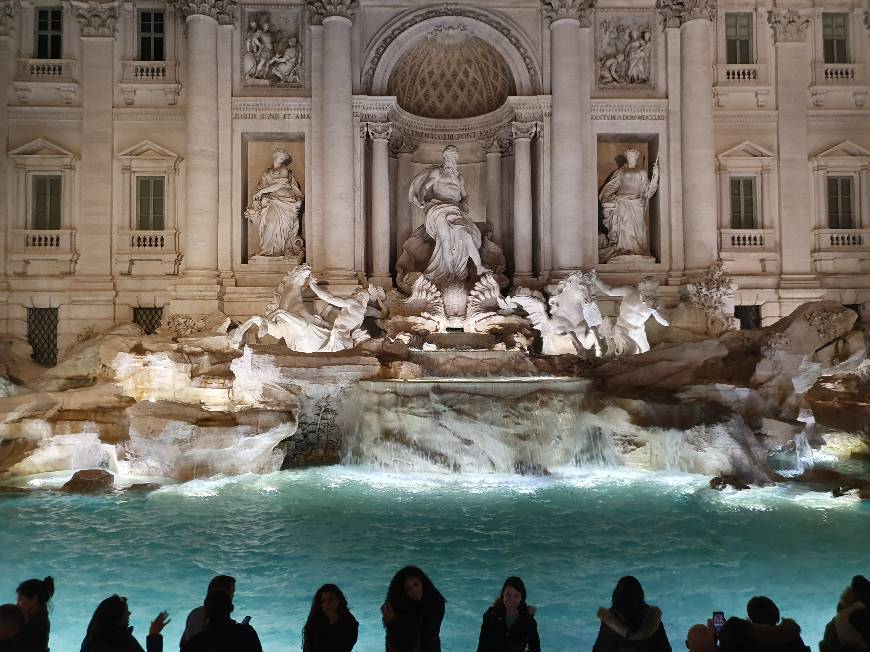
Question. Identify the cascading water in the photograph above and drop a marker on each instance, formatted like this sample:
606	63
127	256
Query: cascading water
803	453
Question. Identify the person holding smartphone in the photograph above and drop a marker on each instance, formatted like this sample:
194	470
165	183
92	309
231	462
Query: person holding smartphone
222	634
110	631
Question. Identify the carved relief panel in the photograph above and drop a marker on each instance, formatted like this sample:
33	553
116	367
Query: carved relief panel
271	47
625	49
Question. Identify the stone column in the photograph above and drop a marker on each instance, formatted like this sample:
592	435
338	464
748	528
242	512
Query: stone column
404	149
380	133
493	149
7	61
569	82
522	132
700	229
792	61
338	138
94	231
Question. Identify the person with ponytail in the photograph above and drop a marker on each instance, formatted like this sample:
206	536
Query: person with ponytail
33	597
630	623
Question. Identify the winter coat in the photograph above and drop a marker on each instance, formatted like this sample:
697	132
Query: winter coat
14	644
745	636
615	636
34	636
124	642
841	634
229	636
340	637
194	624
497	636
418	629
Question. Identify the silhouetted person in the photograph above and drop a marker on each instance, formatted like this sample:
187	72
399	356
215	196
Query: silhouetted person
330	626
222	633
701	638
110	631
630	623
844	632
195	622
412	613
33	597
763	631
508	625
11	626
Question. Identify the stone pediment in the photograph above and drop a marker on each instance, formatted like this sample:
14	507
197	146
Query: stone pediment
846	149
42	149
747	149
148	150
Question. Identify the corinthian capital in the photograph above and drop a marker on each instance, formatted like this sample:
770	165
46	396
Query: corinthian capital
379	130
321	9
223	11
788	25
95	18
7	17
677	12
580	10
524	129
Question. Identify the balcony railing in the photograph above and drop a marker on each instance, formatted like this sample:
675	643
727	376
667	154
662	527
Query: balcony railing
45	69
837	74
842	239
746	239
37	241
749	74
148	72
147	242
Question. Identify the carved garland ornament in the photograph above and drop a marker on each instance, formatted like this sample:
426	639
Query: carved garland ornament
580	10
95	18
449	11
788	25
7	17
321	9
223	11
677	12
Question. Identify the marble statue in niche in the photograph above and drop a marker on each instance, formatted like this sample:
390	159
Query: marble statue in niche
275	209
440	192
625	203
271	55
624	51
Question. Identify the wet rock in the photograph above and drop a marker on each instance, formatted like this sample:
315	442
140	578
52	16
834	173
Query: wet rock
143	487
89	481
403	370
838	483
722	482
14	491
530	468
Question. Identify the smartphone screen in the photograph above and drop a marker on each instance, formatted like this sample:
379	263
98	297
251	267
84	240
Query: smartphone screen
718	621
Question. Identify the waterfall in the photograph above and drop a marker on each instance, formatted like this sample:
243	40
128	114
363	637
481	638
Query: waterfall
803	453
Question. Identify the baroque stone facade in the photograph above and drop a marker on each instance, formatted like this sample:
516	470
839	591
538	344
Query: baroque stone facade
138	141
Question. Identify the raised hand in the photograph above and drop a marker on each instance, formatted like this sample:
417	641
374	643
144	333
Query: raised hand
159	623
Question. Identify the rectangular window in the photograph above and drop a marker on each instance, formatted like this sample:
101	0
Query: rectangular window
49	27
151	35
835	35
738	38
840	214
743	203
45	207
42	335
149	191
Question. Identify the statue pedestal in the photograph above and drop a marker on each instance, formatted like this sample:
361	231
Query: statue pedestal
631	261
274	264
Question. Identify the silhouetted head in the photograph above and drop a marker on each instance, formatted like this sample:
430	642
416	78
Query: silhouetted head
512	596
762	611
328	605
700	639
223	583
11	621
857	591
411	587
628	601
111	616
33	595
218	607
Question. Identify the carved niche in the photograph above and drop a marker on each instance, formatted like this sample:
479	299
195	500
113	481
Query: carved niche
625	49
271	47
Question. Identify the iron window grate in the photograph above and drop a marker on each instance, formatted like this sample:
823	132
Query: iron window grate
148	319
42	335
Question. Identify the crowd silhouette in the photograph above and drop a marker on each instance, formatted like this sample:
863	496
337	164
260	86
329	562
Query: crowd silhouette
412	614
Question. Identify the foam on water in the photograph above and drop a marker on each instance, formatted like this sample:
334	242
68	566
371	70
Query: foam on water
570	535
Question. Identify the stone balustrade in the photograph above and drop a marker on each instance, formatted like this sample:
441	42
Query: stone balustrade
37	240
46	69
842	239
747	239
828	74
158	72
145	241
750	74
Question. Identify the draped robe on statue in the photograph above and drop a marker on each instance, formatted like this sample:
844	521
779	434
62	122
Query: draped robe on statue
625	198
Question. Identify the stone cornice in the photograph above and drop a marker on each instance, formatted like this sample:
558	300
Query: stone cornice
579	10
678	12
95	18
223	11
321	9
7	17
788	25
402	143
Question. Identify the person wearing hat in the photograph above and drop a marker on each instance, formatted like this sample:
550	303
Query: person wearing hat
848	632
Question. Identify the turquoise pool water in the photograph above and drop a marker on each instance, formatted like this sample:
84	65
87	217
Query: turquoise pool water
570	536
